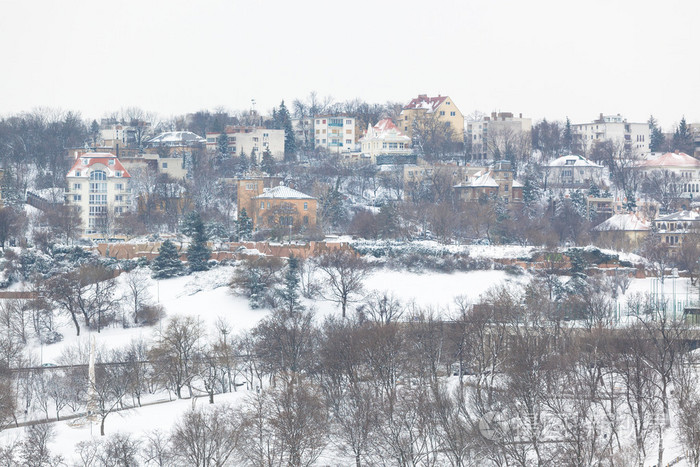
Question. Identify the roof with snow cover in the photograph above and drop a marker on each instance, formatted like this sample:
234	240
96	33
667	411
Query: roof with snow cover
671	159
89	159
574	161
423	102
283	192
623	222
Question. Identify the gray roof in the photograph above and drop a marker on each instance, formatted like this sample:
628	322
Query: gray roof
283	192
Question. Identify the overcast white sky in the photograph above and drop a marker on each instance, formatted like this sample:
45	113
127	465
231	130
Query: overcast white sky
542	58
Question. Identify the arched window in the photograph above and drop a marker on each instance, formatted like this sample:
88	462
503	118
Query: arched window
98	175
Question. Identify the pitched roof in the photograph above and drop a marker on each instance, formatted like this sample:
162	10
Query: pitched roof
425	103
573	160
623	222
89	159
176	137
385	129
687	216
282	192
671	159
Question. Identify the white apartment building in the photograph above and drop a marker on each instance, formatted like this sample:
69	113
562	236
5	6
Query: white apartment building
384	138
634	136
246	139
98	185
488	132
334	133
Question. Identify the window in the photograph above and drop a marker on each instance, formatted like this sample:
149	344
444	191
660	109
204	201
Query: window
77	197
118	210
406	117
76	186
256	139
119	198
266	135
442	113
77	173
324	141
165	165
111	162
348	122
268	205
348	132
324	122
318	132
405	128
324	131
262	204
452	114
318	141
505	188
348	141
232	139
250	186
306	206
447	103
119	187
98	175
118	174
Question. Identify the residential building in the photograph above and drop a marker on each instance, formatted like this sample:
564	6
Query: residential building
304	132
442	107
622	231
488	135
284	207
121	138
495	181
683	169
176	141
672	228
632	136
248	140
573	172
98	184
248	188
335	133
384	138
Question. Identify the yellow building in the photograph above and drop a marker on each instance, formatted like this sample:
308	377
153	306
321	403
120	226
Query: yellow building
441	107
283	206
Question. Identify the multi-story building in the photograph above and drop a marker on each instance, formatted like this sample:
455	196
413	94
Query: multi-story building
673	228
249	188
122	138
98	185
488	133
683	169
442	107
248	140
335	133
495	181
304	132
384	138
283	207
573	172
633	136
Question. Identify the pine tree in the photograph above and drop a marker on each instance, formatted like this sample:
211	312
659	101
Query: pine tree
253	159
189	223
198	253
578	201
285	122
594	191
657	138
94	133
268	162
223	146
630	201
167	263
568	137
683	138
289	295
243	162
244	225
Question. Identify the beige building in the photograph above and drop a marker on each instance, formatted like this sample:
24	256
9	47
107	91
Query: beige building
622	231
249	139
98	185
384	138
283	207
441	107
335	133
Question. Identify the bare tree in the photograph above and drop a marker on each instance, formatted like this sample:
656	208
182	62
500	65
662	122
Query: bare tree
207	438
137	282
345	272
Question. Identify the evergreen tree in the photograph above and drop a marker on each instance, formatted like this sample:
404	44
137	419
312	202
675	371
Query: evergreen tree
579	202
253	159
94	133
630	203
256	286
268	162
167	263
683	138
244	163
531	195
657	139
594	191
331	206
568	137
189	222
244	225
289	295
222	146
198	253
284	120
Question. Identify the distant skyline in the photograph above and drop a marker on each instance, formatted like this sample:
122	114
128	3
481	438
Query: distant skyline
539	58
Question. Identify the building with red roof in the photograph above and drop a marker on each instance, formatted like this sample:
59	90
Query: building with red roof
384	138
441	107
99	186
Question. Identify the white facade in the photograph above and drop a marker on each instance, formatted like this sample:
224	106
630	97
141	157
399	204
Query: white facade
99	186
573	171
487	133
384	138
334	133
684	168
249	139
634	136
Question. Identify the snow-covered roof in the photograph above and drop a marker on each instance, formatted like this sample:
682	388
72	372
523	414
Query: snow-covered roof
623	222
480	180
423	102
684	216
176	137
671	159
385	130
89	159
283	192
574	161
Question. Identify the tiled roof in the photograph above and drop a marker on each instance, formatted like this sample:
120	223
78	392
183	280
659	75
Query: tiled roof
283	192
426	103
89	159
671	159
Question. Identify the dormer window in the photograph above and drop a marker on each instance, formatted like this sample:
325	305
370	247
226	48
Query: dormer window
77	173
118	174
85	161
111	162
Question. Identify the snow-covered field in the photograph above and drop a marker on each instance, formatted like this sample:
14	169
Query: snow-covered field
207	297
